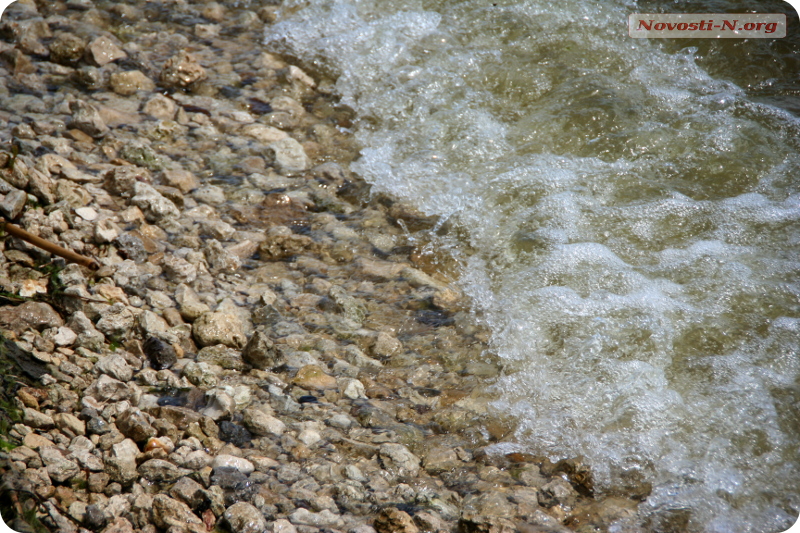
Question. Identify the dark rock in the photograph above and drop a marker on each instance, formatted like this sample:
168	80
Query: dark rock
160	354
229	477
261	353
393	520
234	434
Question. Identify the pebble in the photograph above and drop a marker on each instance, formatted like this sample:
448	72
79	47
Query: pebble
214	328
313	377
242	465
243	517
102	51
129	82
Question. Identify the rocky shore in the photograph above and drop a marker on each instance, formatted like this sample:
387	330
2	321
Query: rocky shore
265	346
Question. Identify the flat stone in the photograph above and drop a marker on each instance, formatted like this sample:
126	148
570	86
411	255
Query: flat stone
313	377
242	465
68	421
130	82
262	423
102	51
115	366
159	470
29	315
105	388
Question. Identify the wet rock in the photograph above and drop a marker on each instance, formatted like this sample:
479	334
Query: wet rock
557	492
231	461
219	328
121	180
115	366
158	470
102	51
67	49
472	522
135	425
86	118
129	82
155	206
29	315
228	477
281	243
393	520
260	422
323	519
243	517
182	70
289	155
260	352
352	388
209	194
162	108
386	345
441	459
181	179
167	513
263	133
313	377
398	460
219	259
160	354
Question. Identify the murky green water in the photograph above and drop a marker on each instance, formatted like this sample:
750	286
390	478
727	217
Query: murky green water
627	212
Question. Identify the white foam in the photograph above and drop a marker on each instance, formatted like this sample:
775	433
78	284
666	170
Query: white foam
628	226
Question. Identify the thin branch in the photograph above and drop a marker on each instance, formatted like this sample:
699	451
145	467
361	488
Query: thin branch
48	246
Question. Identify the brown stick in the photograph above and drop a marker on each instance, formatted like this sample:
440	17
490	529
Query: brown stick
48	246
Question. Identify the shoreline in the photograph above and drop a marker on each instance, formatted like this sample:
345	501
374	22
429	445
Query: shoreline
263	347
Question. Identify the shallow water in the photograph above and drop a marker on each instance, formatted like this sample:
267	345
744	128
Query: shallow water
627	216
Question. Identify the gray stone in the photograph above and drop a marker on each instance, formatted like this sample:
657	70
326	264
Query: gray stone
115	366
289	155
159	470
162	108
209	194
190	305
557	492
260	352
393	520
221	355
59	468
188	491
155	206
219	259
168	513
201	374
441	459
243	517
36	419
260	422
219	405
70	422
324	518
242	465
86	117
102	51
117	321
13	203
135	425
106	388
219	328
